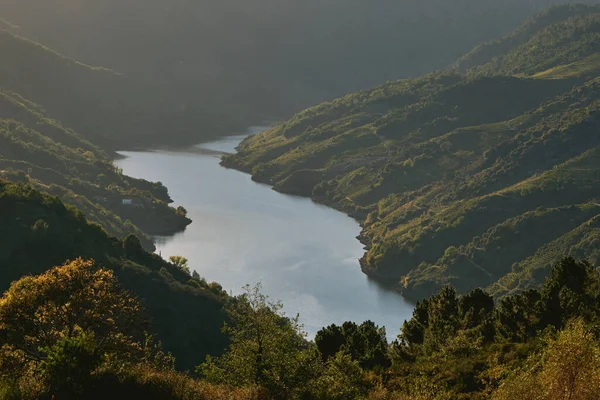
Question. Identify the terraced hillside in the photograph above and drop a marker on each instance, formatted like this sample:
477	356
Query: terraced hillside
480	176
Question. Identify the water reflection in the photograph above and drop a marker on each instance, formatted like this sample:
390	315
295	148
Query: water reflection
304	254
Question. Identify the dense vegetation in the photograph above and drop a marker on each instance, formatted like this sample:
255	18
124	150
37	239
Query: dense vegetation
37	232
476	179
74	332
480	176
195	68
37	150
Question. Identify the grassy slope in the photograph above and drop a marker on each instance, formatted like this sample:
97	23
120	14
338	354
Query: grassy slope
38	231
449	170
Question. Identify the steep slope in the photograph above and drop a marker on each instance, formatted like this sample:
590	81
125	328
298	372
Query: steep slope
564	42
240	60
487	52
38	150
38	231
457	178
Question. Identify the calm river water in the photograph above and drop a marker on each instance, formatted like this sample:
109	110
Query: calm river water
304	254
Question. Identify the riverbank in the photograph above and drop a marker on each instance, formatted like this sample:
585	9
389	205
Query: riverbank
359	214
303	253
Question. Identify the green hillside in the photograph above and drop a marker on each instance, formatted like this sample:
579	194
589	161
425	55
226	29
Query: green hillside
58	120
460	178
38	232
38	150
564	42
487	52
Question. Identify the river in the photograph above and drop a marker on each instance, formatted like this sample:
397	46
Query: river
304	254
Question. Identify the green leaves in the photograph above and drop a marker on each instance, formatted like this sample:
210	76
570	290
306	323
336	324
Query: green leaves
181	263
69	364
365	343
266	346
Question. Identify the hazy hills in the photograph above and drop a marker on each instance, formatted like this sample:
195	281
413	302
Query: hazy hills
477	179
110	109
41	87
222	63
481	175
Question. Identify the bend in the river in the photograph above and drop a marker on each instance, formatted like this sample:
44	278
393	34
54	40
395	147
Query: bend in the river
304	254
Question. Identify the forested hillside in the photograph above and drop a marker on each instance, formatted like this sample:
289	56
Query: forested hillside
38	232
59	119
38	150
75	332
475	179
213	64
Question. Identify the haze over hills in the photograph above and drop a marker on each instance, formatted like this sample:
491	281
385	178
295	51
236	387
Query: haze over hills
168	76
111	110
477	179
483	175
215	65
43	95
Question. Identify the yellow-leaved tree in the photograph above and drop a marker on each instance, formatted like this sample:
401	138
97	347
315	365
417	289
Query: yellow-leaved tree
63	324
568	369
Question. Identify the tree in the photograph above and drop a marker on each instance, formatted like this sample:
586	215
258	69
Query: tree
69	317
133	247
181	211
517	317
570	291
475	307
266	347
329	341
181	263
69	364
443	316
413	330
196	276
568	368
342	379
572	365
365	343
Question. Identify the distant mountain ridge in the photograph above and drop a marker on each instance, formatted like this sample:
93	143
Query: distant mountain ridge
217	65
112	110
481	179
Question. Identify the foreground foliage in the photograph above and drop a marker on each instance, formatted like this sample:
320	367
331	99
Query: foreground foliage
73	331
38	232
